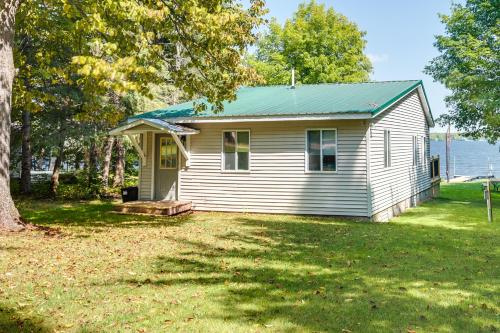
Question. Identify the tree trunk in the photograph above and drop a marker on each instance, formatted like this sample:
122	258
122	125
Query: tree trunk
120	163
9	216
108	150
26	154
54	180
92	168
78	160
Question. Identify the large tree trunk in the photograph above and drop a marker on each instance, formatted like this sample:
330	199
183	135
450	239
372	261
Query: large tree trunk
92	168
108	150
120	163
26	154
54	180
9	216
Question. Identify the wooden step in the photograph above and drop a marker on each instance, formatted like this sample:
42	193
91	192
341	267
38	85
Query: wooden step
162	208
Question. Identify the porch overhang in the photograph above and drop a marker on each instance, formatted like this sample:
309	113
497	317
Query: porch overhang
157	125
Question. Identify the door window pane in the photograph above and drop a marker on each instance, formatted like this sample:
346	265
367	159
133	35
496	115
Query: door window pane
313	150
168	153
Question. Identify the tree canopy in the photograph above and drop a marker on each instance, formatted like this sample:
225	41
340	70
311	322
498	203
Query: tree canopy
80	62
469	65
322	46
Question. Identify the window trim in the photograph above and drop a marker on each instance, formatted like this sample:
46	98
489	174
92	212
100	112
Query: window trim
306	154
160	166
222	160
387	149
424	151
415	150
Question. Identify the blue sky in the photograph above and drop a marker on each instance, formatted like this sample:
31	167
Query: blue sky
400	35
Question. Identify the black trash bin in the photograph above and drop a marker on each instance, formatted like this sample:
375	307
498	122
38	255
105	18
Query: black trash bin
130	193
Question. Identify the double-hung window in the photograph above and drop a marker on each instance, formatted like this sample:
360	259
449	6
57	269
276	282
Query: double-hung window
236	150
321	150
424	149
415	150
387	149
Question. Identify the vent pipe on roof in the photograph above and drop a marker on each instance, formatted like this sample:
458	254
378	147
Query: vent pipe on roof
293	78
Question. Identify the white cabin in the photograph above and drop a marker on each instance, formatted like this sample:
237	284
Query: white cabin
358	150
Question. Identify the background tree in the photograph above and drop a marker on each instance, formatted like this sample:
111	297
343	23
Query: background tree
321	44
123	46
469	65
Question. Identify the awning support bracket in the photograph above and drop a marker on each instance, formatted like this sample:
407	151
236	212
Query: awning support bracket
181	147
138	148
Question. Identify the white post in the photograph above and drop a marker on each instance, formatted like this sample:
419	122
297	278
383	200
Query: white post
293	78
488	201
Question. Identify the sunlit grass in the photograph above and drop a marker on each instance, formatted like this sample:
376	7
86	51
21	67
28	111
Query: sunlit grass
434	269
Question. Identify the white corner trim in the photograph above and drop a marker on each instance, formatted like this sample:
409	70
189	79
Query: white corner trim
368	136
153	168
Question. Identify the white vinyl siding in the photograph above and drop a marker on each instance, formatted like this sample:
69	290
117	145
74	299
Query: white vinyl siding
406	122
277	181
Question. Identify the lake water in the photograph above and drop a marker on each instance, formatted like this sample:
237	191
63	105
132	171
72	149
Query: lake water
469	158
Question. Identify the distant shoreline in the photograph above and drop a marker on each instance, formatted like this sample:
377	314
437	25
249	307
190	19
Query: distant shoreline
454	137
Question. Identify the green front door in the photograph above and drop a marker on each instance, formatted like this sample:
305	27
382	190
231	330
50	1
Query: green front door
166	167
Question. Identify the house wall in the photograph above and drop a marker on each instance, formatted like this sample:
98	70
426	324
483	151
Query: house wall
394	189
145	172
277	181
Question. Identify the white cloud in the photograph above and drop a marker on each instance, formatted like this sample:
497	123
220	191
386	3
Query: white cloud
378	58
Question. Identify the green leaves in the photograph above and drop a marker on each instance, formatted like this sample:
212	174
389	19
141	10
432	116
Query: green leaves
469	67
322	45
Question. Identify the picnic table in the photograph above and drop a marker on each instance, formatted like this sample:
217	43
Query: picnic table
495	183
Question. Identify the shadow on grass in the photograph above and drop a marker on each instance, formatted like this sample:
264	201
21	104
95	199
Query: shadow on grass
433	269
11	321
93	215
321	274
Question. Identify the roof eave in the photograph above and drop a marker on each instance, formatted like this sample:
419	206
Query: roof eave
305	117
121	130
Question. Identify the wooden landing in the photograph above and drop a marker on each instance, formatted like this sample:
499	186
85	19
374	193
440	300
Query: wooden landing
163	208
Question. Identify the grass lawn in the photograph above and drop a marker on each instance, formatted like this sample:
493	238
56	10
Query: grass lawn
434	269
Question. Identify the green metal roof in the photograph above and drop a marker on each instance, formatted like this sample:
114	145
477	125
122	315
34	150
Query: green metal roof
313	99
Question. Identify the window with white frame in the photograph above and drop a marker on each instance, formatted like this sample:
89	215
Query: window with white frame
387	149
321	150
424	149
236	150
415	150
168	153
